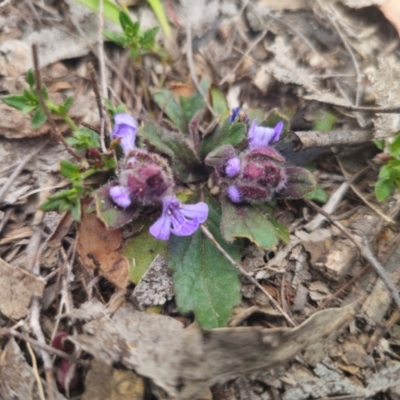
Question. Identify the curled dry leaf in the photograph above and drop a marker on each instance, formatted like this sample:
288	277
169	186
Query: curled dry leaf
17	287
185	362
100	248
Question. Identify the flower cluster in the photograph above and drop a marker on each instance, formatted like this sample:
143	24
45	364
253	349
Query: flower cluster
146	180
259	173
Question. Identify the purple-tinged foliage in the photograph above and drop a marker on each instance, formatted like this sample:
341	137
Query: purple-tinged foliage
261	136
232	167
260	173
178	219
125	129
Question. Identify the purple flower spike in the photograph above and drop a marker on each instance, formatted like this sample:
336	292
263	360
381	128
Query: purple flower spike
234	194
120	196
232	167
234	114
179	219
125	129
261	136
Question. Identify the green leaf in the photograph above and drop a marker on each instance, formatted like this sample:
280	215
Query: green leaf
379	143
28	109
114	217
142	249
76	210
17	101
318	194
204	281
38	118
394	147
158	9
125	21
190	106
228	133
83	139
165	100
30	78
281	230
325	123
247	221
67	104
219	104
383	189
111	10
69	169
185	164
149	37
118	38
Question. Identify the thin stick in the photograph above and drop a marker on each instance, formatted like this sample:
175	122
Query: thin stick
35	372
43	105
103	76
365	251
246	274
18	170
99	103
44	346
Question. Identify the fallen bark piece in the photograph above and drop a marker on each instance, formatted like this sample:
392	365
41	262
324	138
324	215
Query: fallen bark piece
156	286
17	287
186	362
311	139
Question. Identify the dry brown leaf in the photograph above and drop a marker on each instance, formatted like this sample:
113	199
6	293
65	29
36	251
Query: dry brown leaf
17	287
281	5
107	383
391	10
99	248
185	362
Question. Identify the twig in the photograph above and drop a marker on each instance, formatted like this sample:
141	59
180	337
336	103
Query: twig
246	274
37	331
35	372
373	207
100	107
44	346
18	170
103	76
245	55
365	251
46	110
189	56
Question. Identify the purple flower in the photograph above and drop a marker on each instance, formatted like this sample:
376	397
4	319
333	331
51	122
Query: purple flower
234	194
179	219
234	114
261	136
125	129
120	196
232	167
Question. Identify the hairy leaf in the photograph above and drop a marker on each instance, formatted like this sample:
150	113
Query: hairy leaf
247	221
205	282
141	250
185	164
113	216
228	133
299	182
165	100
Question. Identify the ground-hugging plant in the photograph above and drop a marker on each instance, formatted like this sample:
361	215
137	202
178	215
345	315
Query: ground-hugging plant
389	174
